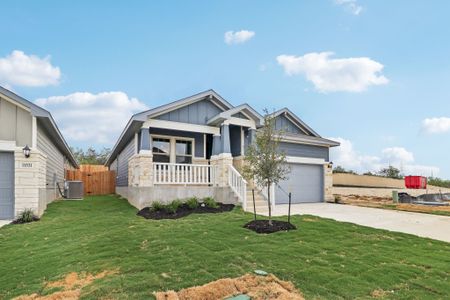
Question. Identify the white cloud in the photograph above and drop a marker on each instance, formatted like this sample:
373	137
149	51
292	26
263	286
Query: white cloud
346	156
94	118
436	125
397	155
354	74
19	69
351	5
238	37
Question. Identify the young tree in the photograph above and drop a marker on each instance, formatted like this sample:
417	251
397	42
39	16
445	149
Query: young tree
265	164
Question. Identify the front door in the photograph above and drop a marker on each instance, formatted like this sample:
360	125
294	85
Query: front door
6	186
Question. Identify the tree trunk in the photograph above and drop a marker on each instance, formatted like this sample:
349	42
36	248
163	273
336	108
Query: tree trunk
254	204
268	201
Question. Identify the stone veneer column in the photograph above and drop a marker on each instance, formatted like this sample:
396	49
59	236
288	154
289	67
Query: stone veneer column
222	161
30	176
140	170
328	182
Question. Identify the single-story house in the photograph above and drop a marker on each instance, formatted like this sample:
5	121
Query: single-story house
195	147
33	156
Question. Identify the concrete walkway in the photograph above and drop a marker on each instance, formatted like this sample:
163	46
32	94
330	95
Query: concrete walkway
424	225
4	222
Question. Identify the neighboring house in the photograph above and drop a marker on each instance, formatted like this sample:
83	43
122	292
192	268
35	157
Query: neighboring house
29	182
195	147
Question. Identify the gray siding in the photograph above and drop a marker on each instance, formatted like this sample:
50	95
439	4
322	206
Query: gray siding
195	113
113	166
198	137
15	124
235	140
283	123
55	159
122	163
240	115
302	150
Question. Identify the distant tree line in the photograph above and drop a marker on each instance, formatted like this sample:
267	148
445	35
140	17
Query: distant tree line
389	172
393	172
91	156
439	182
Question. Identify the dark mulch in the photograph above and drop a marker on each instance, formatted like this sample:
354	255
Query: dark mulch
262	226
19	221
183	211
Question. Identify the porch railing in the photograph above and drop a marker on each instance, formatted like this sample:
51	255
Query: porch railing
238	185
184	174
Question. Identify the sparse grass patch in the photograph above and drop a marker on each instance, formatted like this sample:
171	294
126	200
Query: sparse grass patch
325	259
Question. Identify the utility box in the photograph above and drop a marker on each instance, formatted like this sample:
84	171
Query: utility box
74	190
415	182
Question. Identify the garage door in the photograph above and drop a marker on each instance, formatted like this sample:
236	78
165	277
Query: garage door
6	186
305	183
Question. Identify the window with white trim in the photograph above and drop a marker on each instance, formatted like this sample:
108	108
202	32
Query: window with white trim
172	150
183	150
161	150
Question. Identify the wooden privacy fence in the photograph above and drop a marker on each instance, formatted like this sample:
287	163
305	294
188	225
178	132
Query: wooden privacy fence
95	182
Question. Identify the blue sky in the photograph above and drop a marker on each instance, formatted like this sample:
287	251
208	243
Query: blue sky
371	74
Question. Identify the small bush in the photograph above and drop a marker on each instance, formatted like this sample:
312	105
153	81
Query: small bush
192	203
156	206
210	202
173	206
26	216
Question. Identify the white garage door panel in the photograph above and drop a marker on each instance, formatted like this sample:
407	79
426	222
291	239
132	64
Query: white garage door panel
6	186
305	183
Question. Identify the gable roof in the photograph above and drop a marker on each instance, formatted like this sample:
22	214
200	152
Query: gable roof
137	120
46	120
228	110
296	121
244	108
209	94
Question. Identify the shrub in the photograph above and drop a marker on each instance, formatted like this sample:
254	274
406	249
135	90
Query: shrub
26	216
192	203
210	202
173	206
156	206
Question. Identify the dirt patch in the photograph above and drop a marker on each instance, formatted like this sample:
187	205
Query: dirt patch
379	293
263	226
256	287
386	202
70	286
183	211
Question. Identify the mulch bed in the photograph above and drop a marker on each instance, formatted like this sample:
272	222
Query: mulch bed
19	221
183	211
262	226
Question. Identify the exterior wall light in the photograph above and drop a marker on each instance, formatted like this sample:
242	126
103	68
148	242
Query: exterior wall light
330	165
26	151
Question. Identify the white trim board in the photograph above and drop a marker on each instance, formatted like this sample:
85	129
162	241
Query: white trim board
305	160
240	122
7	145
181	126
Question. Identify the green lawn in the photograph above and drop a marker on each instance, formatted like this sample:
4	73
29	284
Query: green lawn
324	258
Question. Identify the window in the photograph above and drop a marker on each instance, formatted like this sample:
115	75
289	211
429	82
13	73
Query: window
161	150
171	150
183	150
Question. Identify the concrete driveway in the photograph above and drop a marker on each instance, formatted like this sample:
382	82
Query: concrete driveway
424	225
